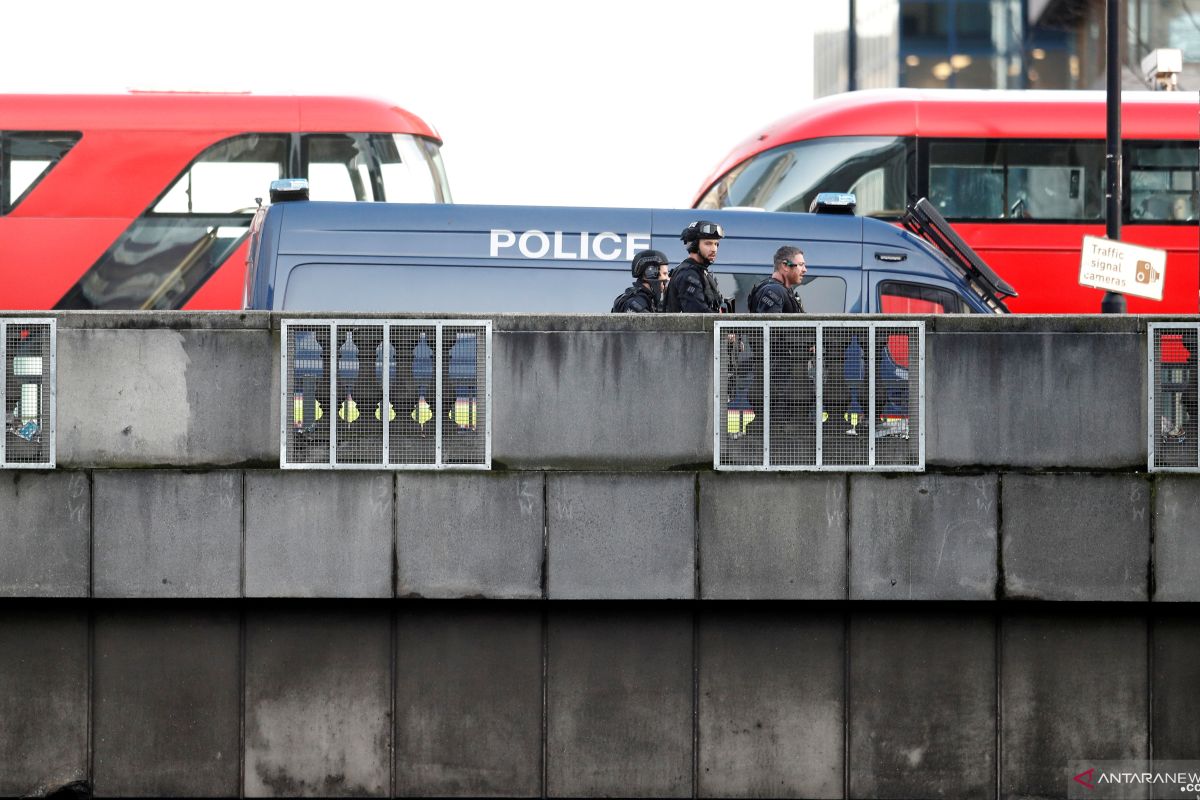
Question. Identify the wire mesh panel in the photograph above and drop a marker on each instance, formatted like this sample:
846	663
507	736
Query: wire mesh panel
1173	383
466	394
414	424
358	391
379	394
819	395
304	418
739	415
28	352
898	434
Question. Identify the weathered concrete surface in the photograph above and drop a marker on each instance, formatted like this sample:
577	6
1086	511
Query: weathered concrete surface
166	701
1174	693
319	534
318	702
1036	398
922	705
469	700
619	703
469	535
1076	537
44	700
1071	687
589	398
923	537
1177	539
184	396
45	521
621	536
167	533
771	704
772	536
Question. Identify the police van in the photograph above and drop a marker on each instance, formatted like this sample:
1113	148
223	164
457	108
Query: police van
392	257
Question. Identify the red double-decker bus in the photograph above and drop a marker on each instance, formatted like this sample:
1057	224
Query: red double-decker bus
1021	175
143	200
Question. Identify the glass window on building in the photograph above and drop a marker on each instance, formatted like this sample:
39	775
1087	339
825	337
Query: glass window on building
26	158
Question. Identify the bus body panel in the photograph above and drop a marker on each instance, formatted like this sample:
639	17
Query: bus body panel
131	149
345	257
1040	259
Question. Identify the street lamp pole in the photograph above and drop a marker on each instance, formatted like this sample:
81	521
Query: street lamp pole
1113	303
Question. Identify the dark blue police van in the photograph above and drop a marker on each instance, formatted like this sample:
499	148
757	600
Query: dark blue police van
391	257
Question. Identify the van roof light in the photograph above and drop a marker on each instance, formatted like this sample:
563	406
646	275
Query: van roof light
833	203
289	189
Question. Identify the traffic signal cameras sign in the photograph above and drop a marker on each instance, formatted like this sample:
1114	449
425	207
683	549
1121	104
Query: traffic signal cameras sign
1122	268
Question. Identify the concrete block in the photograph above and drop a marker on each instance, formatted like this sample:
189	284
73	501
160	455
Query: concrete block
1076	537
136	397
318	701
1072	686
469	534
45	520
1175	700
771	704
922	725
923	537
588	399
469	700
1176	544
1036	398
619	702
44	703
621	536
318	534
772	536
167	534
166	702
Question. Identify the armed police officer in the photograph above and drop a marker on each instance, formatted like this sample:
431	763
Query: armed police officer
692	287
774	295
649	277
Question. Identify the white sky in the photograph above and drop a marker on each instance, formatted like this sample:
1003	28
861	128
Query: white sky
605	103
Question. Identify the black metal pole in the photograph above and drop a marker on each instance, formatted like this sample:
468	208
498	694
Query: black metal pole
1113	303
852	49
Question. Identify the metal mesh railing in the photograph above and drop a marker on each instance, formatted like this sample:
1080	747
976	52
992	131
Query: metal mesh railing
819	395
1173	382
28	349
405	395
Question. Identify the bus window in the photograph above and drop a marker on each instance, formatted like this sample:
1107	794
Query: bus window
787	178
338	167
24	159
990	179
1162	181
227	177
172	249
908	298
410	169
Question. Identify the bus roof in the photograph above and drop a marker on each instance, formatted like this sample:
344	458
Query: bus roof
227	111
972	113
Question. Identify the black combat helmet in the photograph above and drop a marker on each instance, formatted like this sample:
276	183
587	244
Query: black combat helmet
700	229
646	262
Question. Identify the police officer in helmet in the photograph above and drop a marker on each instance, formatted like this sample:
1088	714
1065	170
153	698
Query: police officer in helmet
649	276
692	287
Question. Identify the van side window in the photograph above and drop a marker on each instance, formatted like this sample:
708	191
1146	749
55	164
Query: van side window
26	158
911	298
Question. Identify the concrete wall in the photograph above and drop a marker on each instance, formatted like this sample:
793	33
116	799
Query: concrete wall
375	698
602	614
